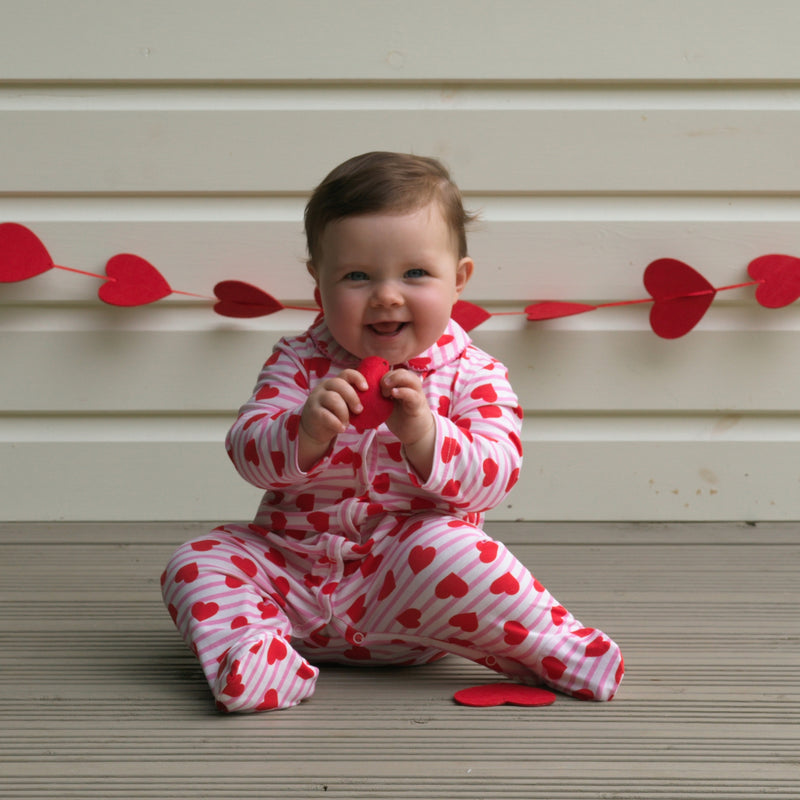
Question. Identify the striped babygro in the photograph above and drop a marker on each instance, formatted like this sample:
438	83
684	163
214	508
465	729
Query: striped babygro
358	560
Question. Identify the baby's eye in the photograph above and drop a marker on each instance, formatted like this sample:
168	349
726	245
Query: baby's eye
416	272
356	275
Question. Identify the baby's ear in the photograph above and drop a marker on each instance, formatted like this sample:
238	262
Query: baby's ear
464	273
312	271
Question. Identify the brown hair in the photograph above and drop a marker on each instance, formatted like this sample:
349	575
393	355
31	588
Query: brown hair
384	182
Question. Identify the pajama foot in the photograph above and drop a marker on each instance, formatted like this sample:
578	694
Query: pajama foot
263	674
590	670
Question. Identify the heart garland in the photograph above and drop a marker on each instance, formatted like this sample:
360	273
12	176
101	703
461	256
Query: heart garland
680	295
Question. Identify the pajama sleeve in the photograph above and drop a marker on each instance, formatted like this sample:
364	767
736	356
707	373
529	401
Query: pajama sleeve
263	441
478	445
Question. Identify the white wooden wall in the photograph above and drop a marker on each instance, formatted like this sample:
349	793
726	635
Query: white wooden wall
595	135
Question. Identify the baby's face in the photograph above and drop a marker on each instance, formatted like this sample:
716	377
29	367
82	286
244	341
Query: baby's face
388	282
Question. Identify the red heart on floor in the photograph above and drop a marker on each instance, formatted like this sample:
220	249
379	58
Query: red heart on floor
22	254
133	282
780	280
681	294
468	315
377	408
499	694
239	299
552	310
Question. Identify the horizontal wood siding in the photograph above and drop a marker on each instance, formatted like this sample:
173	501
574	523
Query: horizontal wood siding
593	137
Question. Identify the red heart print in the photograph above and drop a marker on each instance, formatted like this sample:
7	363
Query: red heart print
420	557
319	365
516	632
278	460
358	609
505	584
269	702
377	408
275	556
484	392
132	282
187	573
362	548
553	667
306	672
267	609
264	393
243	300
488	551
395	450
490	470
468	315
597	647
319	520
498	694
313	581
202	611
451	586
305	501
451	489
370	564
251	453
343	456
468	622
238	622
780	280
234	686
388	587
204	545
277	651
409	618
681	297
381	483
558	613
246	565
450	449
22	254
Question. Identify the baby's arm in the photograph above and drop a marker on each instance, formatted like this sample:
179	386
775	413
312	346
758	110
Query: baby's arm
412	419
477	448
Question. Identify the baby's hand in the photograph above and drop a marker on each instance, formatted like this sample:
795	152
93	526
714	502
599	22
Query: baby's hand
326	413
412	420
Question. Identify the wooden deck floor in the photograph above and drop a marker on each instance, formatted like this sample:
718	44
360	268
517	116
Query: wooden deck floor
99	698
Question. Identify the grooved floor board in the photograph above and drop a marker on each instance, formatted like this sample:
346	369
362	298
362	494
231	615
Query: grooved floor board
99	698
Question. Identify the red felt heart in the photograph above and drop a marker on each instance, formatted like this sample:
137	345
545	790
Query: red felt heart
377	408
780	280
553	310
22	254
239	299
681	294
132	282
468	315
498	694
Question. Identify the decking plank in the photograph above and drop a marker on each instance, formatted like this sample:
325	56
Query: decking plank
100	698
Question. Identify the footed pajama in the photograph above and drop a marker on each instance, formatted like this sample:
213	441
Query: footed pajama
359	561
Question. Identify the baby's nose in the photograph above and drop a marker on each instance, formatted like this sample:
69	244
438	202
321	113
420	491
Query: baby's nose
387	293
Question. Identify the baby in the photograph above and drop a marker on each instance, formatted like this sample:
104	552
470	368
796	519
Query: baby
367	547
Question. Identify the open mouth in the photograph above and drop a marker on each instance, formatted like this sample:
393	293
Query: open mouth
387	328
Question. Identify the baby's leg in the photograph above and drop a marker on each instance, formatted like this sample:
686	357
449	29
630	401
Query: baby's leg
454	588
229	603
